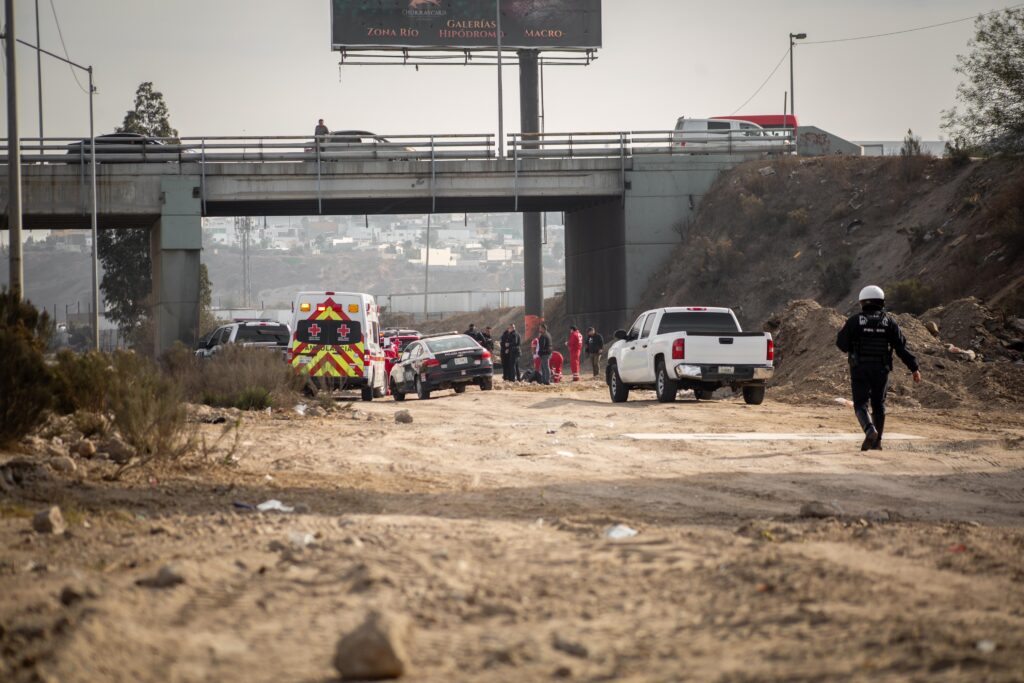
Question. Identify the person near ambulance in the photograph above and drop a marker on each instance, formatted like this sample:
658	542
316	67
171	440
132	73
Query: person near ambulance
575	345
869	339
595	345
544	349
510	343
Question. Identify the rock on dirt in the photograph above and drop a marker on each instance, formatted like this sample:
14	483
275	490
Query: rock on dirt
403	417
85	448
375	650
167	576
818	510
63	463
119	452
49	521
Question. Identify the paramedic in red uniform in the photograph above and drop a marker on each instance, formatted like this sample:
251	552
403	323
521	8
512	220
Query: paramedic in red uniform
575	345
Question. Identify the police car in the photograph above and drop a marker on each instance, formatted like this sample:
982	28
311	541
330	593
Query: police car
441	361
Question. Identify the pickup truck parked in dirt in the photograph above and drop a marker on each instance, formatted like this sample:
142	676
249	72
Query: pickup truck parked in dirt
696	348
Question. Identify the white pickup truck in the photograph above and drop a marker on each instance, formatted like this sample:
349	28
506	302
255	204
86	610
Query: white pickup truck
692	347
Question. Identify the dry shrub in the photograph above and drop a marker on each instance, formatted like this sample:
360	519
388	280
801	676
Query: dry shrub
241	377
752	207
798	221
25	391
82	381
1004	215
147	408
719	260
910	296
838	274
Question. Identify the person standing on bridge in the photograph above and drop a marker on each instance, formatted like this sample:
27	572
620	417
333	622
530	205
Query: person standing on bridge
575	344
321	130
869	339
594	345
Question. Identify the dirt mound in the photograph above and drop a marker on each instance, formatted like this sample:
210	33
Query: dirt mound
968	324
811	368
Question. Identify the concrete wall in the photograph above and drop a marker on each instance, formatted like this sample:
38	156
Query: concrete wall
595	265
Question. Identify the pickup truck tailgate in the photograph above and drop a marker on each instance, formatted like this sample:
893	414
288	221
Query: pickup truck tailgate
740	348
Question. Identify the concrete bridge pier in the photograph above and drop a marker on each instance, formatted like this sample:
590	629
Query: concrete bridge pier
613	249
176	241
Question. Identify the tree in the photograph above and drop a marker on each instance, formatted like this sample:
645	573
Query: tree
127	276
127	270
992	93
150	115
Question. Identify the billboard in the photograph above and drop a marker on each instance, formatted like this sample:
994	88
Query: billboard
465	24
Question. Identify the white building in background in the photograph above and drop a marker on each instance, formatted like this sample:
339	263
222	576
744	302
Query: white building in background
440	258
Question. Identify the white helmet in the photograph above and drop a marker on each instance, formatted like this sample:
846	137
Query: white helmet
872	292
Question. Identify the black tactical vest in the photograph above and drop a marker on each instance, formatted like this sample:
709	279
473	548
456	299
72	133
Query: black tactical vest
871	344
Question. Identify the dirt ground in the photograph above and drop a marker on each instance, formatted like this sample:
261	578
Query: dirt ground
483	522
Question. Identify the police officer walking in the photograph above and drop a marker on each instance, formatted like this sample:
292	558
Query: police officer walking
869	339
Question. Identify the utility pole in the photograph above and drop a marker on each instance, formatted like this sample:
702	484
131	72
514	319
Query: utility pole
17	276
426	272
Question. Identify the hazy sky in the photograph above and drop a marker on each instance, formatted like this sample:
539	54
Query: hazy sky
264	67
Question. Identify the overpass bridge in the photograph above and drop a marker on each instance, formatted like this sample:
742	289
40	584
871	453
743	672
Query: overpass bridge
625	196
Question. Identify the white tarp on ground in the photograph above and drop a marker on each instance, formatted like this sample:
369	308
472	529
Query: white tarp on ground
762	436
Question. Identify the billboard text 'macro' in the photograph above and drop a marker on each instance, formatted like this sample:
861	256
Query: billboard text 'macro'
459	24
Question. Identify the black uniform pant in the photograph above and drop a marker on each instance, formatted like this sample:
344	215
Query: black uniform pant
869	383
510	366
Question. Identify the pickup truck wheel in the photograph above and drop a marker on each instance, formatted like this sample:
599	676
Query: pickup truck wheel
753	395
366	393
704	394
664	387
459	388
619	391
422	392
399	395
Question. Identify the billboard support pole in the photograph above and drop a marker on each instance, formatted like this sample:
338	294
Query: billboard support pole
501	104
533	268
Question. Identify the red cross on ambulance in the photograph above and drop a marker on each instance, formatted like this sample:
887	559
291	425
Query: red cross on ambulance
343	332
314	331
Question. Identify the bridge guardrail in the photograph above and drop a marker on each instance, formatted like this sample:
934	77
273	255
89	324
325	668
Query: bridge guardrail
480	146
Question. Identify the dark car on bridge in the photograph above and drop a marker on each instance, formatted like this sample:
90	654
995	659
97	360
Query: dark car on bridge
441	361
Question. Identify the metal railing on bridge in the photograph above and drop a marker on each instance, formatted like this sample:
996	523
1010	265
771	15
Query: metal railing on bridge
361	146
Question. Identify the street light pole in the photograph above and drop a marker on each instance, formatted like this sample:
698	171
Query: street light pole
17	274
14	169
94	224
793	37
39	76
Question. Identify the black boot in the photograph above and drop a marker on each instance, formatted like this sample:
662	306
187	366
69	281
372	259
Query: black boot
871	438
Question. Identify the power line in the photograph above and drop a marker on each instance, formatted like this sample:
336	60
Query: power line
761	87
908	30
61	35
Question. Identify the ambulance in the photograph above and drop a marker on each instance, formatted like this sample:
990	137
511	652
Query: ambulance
336	342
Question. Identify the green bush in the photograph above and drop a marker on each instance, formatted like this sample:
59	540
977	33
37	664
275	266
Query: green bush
25	383
910	296
82	381
254	398
838	275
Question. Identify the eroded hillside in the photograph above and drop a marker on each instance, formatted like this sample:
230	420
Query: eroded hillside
925	229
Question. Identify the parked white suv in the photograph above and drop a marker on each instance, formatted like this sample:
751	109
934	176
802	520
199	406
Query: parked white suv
692	347
261	333
724	135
